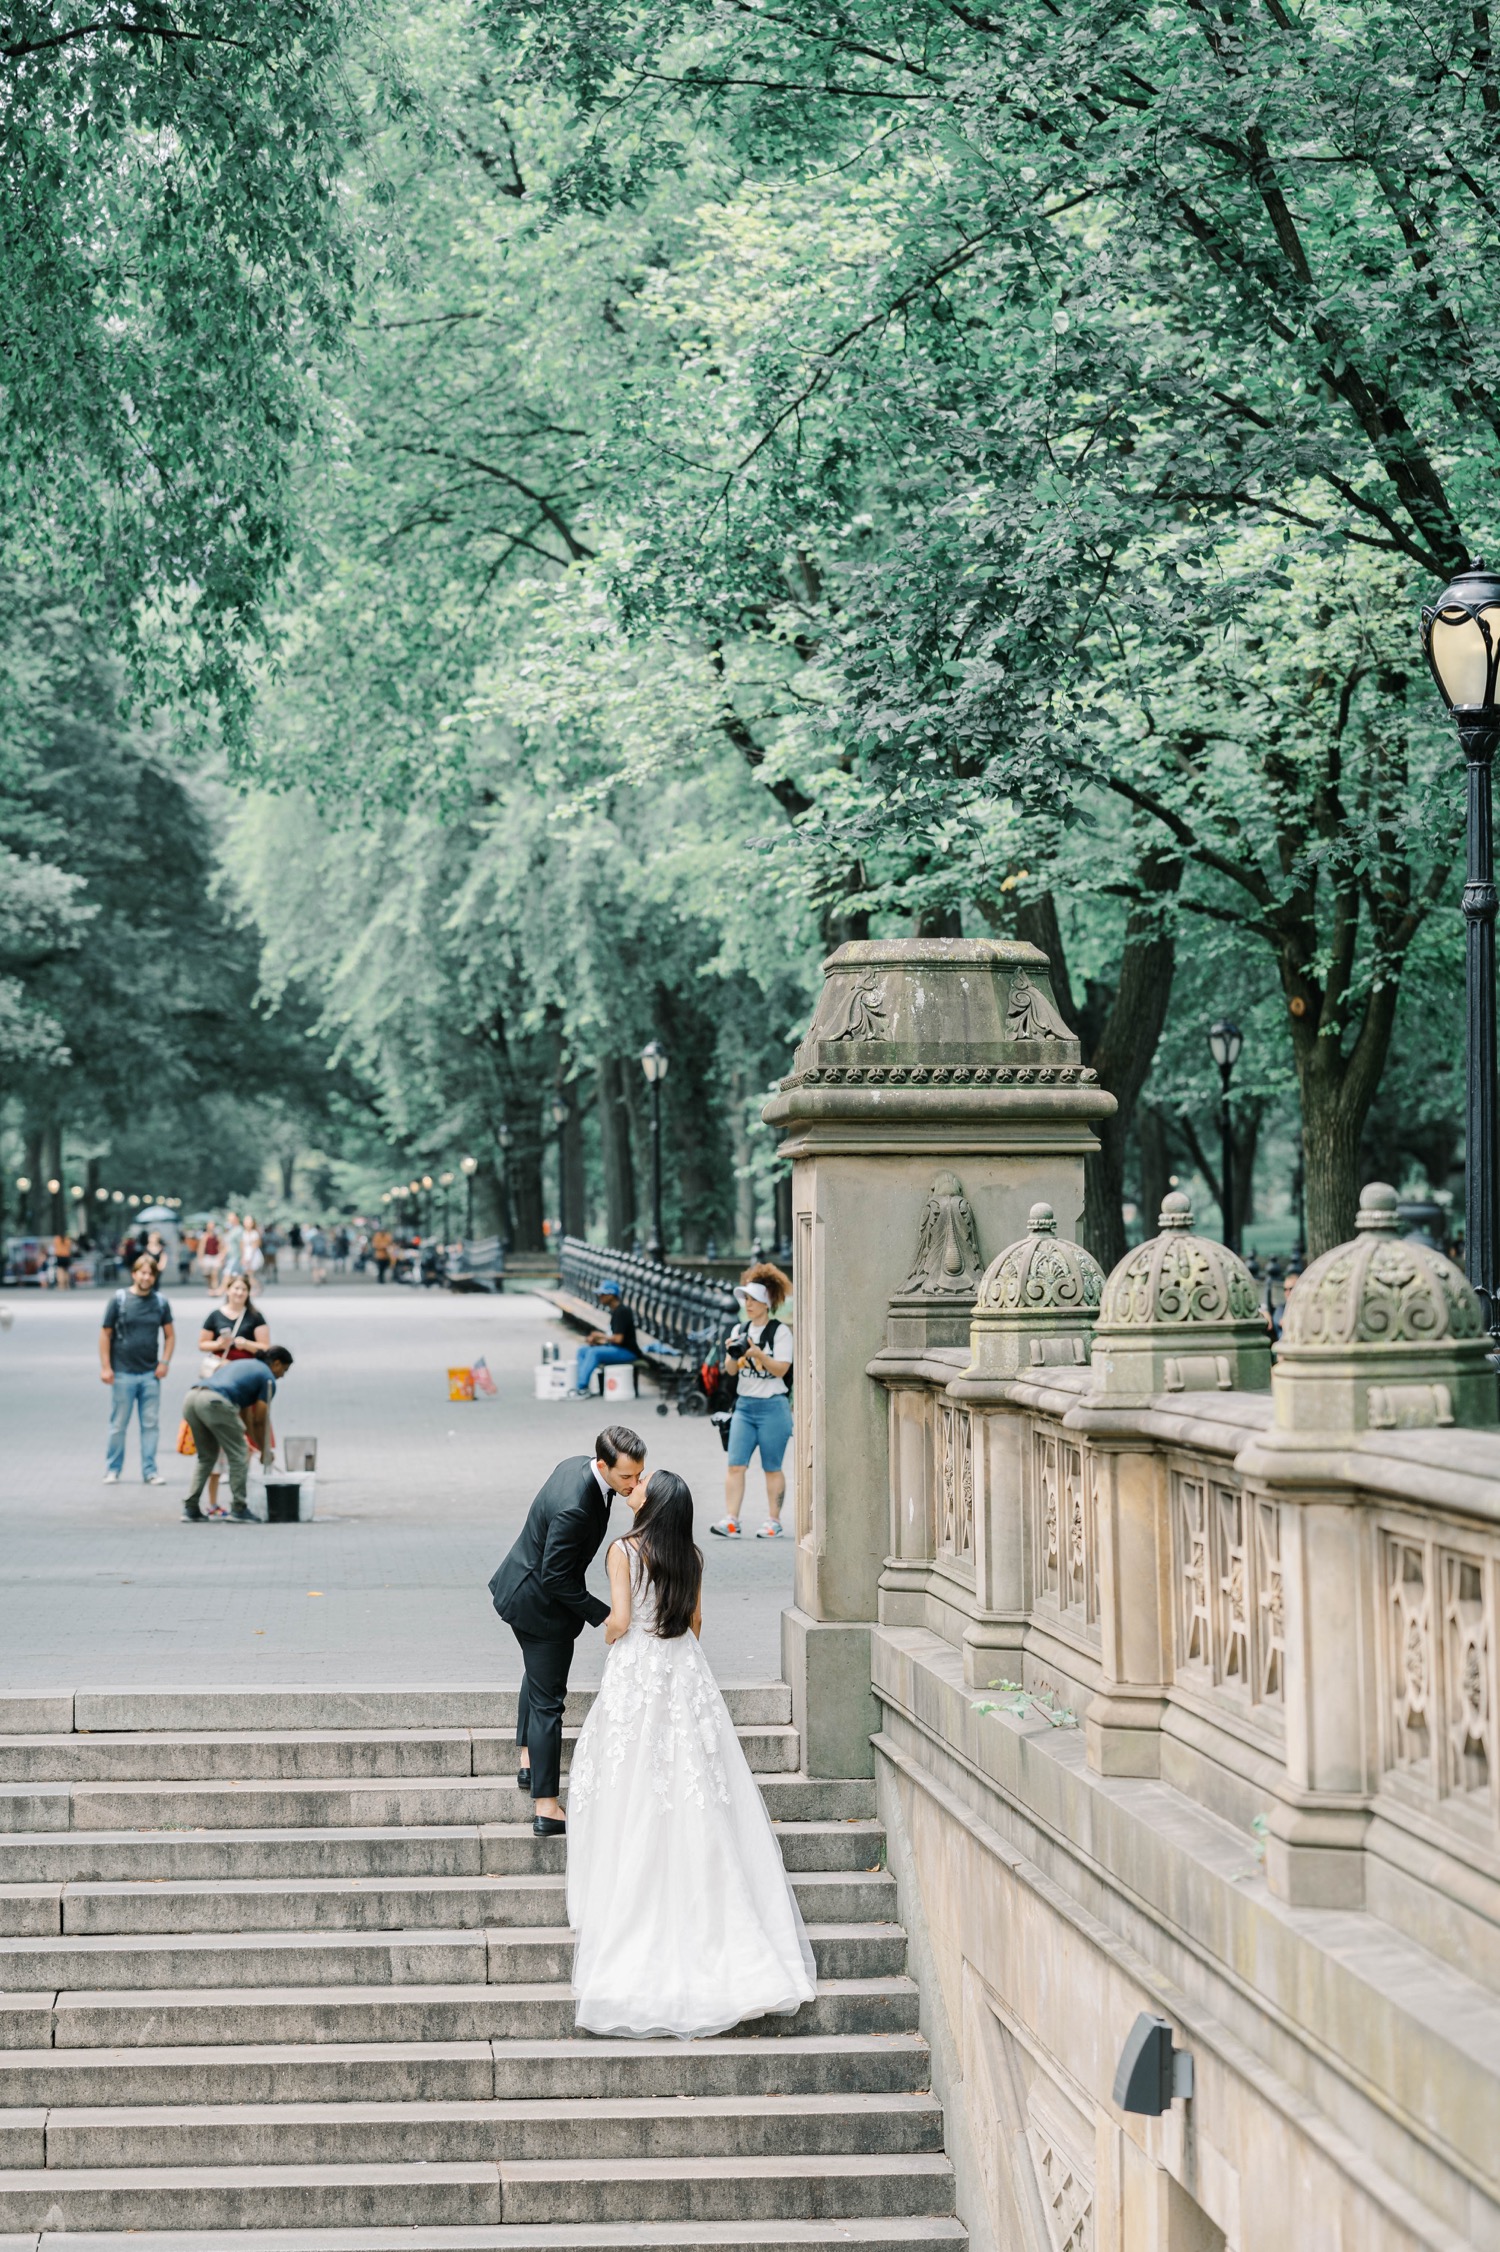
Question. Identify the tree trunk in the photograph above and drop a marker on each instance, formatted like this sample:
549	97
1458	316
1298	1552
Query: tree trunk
571	1186
615	1151
57	1199
1336	1090
1126	1046
288	1163
35	1197
527	1201
1156	1164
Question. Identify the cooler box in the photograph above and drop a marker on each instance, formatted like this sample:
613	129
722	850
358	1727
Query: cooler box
620	1380
554	1380
290	1498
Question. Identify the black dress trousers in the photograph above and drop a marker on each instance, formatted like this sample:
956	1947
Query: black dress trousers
539	1712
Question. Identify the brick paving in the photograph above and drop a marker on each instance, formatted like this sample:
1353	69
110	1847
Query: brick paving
418	1499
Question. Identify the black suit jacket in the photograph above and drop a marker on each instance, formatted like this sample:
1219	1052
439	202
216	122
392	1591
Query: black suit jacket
539	1590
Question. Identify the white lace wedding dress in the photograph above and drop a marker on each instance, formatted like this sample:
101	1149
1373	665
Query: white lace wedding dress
685	1920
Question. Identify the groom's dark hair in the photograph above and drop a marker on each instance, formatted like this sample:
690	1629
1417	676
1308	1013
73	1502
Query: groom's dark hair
617	1439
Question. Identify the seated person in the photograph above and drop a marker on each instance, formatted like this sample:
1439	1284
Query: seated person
616	1344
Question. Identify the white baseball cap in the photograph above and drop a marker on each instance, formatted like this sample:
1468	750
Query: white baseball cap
756	1290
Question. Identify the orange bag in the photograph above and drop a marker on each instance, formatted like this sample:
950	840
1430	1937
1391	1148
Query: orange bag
185	1443
460	1384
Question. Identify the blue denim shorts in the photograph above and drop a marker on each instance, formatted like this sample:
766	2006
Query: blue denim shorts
766	1424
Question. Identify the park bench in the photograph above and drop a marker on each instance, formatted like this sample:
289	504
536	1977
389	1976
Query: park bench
679	1315
476	1266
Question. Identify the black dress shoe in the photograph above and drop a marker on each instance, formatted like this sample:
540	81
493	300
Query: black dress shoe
191	1515
543	1826
523	1781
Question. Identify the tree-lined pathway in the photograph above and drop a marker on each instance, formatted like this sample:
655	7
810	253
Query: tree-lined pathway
418	1499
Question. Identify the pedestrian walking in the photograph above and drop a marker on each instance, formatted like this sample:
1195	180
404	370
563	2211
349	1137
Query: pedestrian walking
210	1252
759	1357
225	1413
62	1260
232	1262
135	1352
383	1250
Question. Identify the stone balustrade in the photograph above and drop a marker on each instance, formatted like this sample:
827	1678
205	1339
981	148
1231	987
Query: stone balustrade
1174	1665
1276	1595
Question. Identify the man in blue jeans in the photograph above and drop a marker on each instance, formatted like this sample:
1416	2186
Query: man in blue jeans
616	1344
135	1352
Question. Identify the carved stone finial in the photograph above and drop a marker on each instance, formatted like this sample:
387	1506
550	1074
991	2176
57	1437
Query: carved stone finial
1382	1332
1380	1208
1180	1313
1036	1305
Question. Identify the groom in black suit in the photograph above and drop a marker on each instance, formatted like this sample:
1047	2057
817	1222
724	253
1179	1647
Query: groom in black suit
539	1592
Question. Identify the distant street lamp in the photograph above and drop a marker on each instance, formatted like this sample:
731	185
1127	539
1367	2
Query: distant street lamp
1225	1041
1461	641
504	1136
445	1181
654	1065
468	1166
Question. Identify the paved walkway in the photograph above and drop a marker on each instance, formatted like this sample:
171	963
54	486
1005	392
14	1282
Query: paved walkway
418	1500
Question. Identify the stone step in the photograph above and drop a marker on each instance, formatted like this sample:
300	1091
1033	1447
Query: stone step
446	2195
349	1804
926	2233
56	1857
365	2133
467	2071
240	2015
363	1904
141	1711
314	1754
498	1956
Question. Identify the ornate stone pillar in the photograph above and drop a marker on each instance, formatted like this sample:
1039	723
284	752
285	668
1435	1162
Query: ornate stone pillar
924	1056
1380	1334
1180	1314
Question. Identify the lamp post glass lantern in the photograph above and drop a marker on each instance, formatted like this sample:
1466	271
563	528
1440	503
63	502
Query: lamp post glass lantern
654	1065
1225	1040
1461	642
468	1166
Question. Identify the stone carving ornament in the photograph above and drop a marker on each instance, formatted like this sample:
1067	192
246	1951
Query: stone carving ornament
1178	1278
1042	1274
1382	1289
947	1262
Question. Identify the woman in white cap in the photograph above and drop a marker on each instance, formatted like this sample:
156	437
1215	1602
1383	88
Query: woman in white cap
760	1357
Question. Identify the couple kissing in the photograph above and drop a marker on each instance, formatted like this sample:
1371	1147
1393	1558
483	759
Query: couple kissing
685	1922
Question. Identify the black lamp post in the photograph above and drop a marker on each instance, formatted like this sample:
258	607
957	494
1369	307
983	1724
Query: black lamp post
560	1116
504	1136
468	1166
445	1183
1225	1041
1461	640
654	1065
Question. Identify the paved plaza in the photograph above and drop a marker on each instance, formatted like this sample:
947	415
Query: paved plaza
418	1499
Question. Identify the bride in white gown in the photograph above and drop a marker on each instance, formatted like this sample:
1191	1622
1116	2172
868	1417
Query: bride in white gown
685	1919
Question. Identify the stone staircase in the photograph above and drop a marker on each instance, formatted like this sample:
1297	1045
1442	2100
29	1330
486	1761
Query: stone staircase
288	1969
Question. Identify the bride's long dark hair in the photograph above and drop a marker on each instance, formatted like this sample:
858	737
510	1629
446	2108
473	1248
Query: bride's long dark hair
662	1537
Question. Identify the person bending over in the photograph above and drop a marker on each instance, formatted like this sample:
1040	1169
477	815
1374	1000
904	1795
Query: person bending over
224	1412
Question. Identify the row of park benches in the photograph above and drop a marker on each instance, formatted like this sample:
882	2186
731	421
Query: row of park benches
679	1315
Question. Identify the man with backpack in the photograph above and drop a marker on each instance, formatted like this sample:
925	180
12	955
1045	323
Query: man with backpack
135	1352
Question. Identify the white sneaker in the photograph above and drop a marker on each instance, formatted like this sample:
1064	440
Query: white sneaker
727	1529
111	1477
156	1479
770	1530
